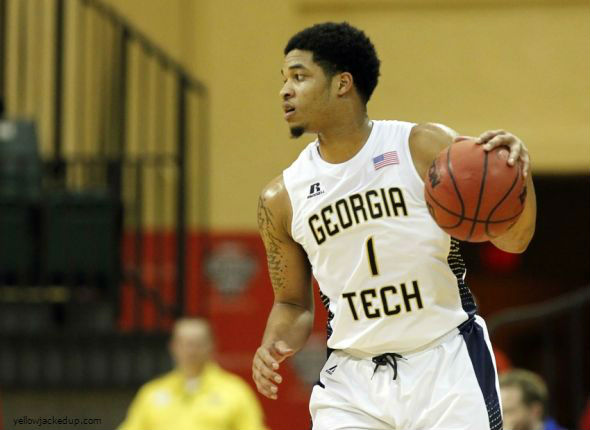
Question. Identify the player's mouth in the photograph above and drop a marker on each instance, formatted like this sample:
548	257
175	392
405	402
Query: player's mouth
289	110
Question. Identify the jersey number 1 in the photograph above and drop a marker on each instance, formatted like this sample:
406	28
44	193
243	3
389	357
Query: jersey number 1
371	254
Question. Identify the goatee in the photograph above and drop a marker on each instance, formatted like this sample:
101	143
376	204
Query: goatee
297	132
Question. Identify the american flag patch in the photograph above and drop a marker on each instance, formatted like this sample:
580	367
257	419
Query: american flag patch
385	160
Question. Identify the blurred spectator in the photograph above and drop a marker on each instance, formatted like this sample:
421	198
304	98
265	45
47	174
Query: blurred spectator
197	394
524	401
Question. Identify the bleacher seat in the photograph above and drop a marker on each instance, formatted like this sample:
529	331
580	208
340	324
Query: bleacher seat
20	188
81	234
20	165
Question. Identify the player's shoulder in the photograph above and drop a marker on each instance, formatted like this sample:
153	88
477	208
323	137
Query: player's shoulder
274	191
426	141
274	204
433	133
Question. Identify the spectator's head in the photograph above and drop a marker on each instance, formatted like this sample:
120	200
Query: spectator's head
191	345
524	399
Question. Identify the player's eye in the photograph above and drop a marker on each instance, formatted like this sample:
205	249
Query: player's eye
299	77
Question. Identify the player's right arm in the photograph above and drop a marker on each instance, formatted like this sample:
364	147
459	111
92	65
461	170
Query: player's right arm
291	319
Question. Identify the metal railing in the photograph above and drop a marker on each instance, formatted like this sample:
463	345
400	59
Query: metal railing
114	112
559	328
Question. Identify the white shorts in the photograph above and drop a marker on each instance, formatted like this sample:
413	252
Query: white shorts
449	385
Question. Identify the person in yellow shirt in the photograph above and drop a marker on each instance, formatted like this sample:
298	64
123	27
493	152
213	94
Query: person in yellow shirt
197	394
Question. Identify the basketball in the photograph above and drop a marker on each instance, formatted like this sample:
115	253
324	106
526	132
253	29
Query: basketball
472	194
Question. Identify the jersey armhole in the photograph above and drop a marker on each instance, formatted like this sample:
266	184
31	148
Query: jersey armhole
417	183
292	226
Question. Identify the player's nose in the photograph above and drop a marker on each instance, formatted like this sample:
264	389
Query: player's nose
286	91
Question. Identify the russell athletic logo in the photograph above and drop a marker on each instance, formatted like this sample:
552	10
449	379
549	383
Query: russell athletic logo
315	190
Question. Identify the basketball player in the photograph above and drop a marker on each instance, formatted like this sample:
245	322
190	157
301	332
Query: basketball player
406	347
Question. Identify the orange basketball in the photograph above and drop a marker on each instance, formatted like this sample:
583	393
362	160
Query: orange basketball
472	194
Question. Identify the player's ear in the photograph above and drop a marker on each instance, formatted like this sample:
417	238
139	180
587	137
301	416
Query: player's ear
344	83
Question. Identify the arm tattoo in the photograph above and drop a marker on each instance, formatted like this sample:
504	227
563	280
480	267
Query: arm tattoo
276	263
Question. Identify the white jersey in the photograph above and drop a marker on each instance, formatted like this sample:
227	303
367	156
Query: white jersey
391	279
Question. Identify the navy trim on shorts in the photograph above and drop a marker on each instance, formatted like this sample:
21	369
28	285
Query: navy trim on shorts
457	266
483	366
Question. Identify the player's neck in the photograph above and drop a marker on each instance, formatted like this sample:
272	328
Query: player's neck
343	140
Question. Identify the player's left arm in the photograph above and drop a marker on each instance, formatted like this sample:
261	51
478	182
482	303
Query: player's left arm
429	139
520	234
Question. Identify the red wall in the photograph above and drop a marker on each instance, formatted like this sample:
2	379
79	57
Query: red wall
238	319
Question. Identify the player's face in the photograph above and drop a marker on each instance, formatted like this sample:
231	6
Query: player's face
306	93
516	414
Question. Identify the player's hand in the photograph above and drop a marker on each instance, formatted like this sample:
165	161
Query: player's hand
493	138
265	366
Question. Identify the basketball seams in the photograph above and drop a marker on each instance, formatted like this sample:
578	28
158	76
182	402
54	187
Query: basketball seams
501	201
480	197
474	216
456	188
462	216
479	221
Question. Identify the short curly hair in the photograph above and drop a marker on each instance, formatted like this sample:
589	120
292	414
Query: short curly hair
340	47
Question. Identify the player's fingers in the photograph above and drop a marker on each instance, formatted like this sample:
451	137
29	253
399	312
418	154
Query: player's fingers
264	386
499	140
266	357
515	152
258	377
265	392
526	164
261	382
268	373
490	134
